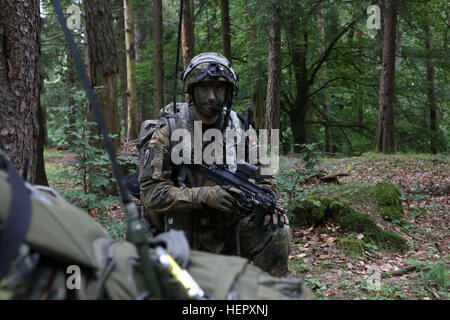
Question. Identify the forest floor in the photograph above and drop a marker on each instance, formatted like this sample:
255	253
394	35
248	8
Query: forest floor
421	272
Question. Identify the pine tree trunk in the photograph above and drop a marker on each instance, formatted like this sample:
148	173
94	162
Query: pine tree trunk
158	78
326	105
226	33
103	64
19	83
273	103
122	58
359	103
133	124
432	98
385	138
187	33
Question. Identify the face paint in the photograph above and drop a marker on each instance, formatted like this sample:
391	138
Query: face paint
209	96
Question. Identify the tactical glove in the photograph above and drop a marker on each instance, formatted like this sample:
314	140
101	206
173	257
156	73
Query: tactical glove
215	198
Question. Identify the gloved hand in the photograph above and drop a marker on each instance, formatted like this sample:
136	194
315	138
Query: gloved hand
215	198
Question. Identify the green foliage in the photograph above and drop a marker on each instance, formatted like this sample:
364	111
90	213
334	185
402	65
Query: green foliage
116	228
318	286
290	179
439	275
90	169
298	267
350	87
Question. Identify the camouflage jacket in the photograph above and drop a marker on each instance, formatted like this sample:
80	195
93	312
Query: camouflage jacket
178	205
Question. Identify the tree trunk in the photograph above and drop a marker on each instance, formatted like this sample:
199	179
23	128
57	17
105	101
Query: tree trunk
432	98
226	33
133	125
103	64
187	33
71	83
158	78
359	103
300	107
273	103
385	137
326	105
121	55
19	83
258	85
398	55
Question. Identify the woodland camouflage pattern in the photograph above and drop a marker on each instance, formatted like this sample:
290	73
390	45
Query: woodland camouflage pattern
33	277
206	229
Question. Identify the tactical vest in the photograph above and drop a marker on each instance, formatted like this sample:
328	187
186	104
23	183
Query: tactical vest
184	175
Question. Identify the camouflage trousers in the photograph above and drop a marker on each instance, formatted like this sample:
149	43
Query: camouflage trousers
268	247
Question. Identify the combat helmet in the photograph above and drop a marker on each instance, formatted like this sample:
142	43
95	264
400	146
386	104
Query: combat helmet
210	66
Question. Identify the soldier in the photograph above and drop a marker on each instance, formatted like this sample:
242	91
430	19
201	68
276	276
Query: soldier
178	197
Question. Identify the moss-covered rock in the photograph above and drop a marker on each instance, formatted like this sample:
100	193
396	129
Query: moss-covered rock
389	203
309	211
317	209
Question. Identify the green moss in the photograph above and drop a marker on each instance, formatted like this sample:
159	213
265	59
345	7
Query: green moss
317	209
309	211
389	203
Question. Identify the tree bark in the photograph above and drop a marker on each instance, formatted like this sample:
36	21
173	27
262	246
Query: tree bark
432	98
103	64
226	33
187	33
122	58
158	78
133	125
385	137
273	103
19	83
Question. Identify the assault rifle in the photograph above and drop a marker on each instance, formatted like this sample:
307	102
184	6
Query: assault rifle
251	198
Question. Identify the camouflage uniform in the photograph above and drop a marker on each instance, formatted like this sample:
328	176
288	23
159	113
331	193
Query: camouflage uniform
169	206
34	277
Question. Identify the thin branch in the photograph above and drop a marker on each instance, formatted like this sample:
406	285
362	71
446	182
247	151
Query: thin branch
318	64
